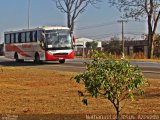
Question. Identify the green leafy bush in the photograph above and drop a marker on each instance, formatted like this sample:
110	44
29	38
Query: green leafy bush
114	80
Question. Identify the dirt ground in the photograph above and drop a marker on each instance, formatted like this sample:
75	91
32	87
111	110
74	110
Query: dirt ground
35	94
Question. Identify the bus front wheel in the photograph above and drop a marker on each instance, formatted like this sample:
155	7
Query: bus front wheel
62	61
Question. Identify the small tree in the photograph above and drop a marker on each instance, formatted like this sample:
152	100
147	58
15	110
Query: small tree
91	46
115	46
94	45
88	46
114	80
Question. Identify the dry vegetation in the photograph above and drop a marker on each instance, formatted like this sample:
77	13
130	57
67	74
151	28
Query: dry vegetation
27	91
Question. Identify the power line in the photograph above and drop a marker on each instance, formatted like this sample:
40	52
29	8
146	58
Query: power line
99	35
107	34
113	34
104	24
135	33
95	26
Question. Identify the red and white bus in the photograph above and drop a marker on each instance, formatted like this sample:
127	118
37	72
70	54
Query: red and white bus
47	43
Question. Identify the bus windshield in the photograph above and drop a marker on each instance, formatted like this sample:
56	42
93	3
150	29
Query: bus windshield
58	40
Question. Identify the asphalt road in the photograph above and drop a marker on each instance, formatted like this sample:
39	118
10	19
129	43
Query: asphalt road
150	69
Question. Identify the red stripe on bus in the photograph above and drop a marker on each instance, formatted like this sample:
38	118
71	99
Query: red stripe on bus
59	56
10	48
50	57
70	55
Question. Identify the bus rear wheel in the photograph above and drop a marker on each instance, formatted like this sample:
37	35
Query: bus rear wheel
17	58
62	61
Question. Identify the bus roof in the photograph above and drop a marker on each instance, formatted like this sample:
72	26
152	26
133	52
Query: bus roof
54	28
40	28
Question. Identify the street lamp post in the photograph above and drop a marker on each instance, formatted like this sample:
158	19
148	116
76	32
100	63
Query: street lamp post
83	49
29	13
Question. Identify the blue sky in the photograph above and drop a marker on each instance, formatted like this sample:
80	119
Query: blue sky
44	12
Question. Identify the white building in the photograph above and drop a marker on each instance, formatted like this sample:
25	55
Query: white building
82	42
80	46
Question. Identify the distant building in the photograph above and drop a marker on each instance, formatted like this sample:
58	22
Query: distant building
134	48
80	46
137	48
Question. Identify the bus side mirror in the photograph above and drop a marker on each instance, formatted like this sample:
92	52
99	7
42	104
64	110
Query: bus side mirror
42	39
42	36
74	39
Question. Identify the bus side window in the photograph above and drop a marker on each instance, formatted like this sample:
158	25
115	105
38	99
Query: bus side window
34	36
19	37
40	37
16	38
12	38
7	38
27	36
23	40
30	36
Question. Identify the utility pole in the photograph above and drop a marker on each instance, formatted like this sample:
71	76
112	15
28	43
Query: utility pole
29	13
83	49
122	22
